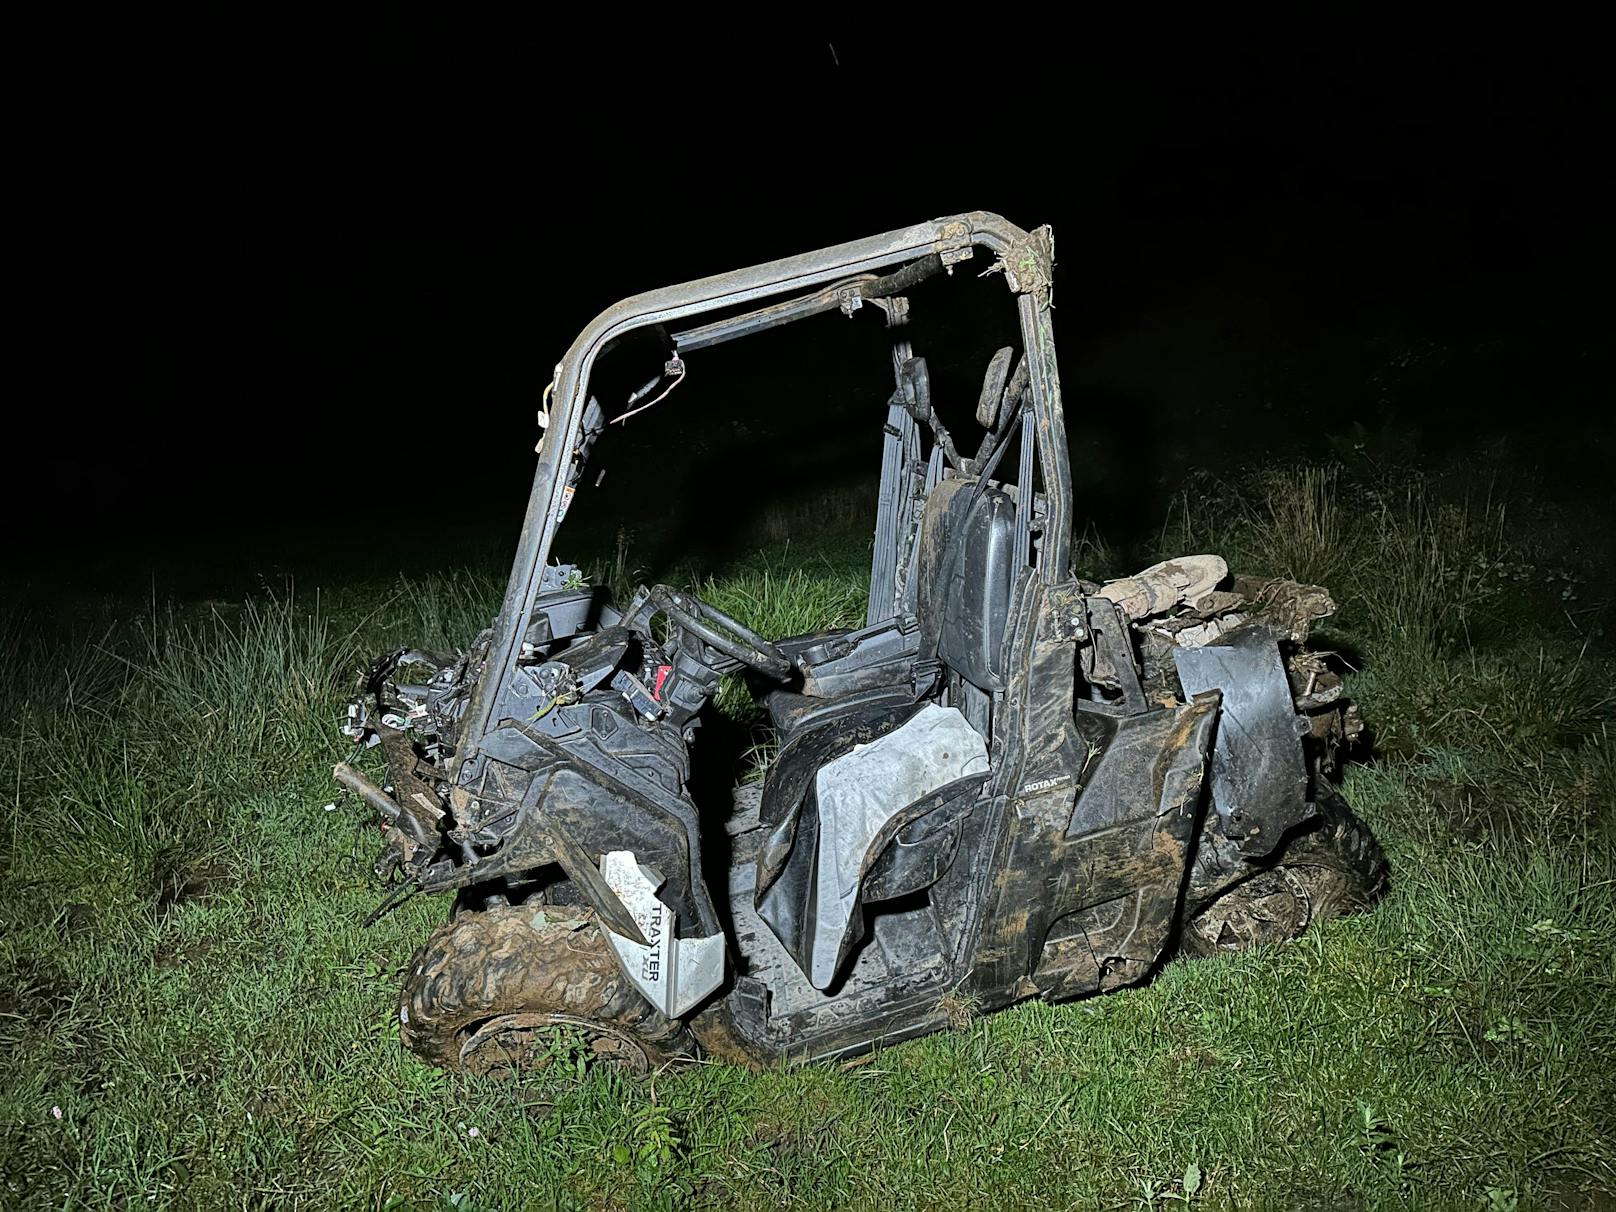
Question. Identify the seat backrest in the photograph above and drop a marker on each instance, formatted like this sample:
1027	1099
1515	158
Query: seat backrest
966	567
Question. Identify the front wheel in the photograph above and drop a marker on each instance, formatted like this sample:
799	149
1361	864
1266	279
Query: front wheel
1334	867
499	991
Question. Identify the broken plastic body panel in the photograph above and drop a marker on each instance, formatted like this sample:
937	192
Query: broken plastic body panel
858	795
1259	770
673	973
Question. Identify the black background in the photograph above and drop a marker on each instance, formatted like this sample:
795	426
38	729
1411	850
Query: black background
284	294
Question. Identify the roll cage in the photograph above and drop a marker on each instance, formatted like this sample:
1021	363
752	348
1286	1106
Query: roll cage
845	277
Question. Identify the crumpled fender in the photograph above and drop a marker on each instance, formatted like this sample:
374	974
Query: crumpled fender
1259	770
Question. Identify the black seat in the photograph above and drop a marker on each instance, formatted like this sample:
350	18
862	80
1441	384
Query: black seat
860	685
843	666
967	567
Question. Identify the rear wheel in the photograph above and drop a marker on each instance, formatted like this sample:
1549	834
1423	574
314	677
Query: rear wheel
1333	868
511	988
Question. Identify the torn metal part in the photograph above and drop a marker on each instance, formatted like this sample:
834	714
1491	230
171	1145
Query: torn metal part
636	695
673	973
408	816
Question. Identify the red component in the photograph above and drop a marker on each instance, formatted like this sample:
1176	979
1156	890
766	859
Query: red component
661	676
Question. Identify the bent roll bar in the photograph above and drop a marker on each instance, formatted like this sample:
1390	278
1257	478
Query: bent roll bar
1023	257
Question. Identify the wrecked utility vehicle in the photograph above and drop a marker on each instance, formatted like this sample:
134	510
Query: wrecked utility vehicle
1009	783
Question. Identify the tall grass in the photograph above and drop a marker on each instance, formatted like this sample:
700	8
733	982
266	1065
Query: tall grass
253	682
1420	567
1456	631
42	663
1435	568
841	509
1289	521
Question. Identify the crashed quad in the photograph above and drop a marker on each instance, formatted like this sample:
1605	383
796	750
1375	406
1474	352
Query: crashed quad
1009	783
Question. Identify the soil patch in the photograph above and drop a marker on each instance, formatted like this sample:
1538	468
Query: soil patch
178	882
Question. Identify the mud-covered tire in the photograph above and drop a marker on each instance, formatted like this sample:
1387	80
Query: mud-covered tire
1332	868
501	980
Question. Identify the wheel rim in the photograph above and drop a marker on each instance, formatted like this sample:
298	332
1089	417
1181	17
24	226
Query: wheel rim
514	1043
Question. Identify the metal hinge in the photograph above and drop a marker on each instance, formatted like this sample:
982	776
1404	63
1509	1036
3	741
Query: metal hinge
954	245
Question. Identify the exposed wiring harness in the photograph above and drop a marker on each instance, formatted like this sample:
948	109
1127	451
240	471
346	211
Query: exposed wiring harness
676	367
544	416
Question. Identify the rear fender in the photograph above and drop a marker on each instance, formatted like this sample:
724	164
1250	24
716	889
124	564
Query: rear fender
1259	769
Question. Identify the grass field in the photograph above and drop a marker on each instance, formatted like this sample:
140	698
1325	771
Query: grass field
192	1015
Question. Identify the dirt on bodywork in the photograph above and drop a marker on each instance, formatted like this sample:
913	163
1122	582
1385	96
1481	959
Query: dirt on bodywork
994	786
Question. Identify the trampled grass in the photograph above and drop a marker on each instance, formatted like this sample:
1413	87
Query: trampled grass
192	1015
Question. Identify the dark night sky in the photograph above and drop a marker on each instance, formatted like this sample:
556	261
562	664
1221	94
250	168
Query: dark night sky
269	297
